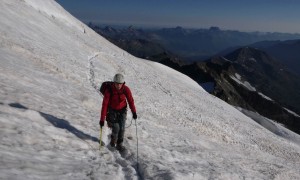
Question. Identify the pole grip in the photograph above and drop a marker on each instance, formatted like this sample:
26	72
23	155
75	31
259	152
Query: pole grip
100	139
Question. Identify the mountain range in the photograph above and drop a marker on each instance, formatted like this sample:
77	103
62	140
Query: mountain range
192	44
251	79
266	66
286	52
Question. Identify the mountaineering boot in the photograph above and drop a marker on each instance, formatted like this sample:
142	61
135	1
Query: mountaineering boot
113	141
120	147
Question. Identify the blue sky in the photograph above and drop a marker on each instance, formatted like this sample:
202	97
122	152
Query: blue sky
243	15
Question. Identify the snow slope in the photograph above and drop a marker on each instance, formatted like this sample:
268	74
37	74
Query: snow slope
49	111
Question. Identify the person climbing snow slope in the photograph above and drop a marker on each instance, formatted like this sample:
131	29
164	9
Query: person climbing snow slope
114	109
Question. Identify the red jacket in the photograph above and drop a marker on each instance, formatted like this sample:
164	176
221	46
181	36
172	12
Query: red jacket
117	100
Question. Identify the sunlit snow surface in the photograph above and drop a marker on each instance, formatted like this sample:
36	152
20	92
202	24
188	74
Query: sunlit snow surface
49	111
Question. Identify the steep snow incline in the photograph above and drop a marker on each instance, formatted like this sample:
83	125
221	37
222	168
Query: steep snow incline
49	111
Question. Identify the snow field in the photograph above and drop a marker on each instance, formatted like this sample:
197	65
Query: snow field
49	111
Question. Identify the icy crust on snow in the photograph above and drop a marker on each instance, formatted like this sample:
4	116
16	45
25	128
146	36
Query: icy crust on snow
55	11
275	128
49	112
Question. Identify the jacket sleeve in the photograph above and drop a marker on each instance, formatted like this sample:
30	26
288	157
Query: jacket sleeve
105	105
130	99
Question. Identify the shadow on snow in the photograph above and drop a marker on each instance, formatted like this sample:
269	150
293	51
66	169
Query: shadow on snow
60	123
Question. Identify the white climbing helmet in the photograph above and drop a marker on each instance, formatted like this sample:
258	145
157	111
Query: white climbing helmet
119	78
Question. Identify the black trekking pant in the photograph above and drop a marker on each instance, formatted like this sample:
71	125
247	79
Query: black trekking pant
117	120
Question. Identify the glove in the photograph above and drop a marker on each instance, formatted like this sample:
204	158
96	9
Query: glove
101	123
134	116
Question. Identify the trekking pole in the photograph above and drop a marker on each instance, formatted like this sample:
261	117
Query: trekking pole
137	149
100	139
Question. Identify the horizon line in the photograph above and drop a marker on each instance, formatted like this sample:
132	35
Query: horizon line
135	25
